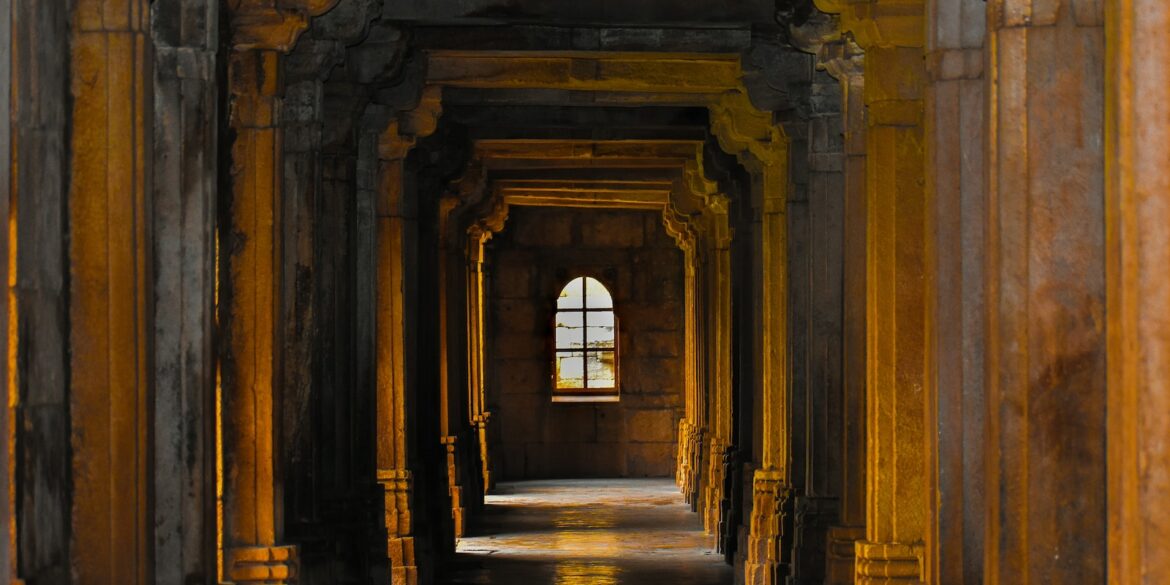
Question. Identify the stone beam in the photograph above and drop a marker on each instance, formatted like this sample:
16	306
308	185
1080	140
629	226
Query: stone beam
618	72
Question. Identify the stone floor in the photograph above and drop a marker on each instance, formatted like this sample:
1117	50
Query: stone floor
587	532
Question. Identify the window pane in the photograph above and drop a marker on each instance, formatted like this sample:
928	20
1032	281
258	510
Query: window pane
596	297
570	330
570	369
573	295
602	369
600	332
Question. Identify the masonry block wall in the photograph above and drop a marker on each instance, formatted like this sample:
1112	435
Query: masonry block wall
530	261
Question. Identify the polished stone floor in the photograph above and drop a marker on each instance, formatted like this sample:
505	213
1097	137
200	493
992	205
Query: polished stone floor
587	532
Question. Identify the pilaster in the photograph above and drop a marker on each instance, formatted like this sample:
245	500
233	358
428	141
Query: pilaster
1046	295
185	176
897	320
845	61
955	172
1137	184
110	290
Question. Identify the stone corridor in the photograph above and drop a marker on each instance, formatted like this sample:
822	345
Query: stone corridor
587	532
838	292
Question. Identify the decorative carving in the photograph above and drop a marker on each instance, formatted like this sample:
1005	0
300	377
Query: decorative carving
261	564
454	486
880	23
260	24
888	563
843	58
397	488
770	501
749	134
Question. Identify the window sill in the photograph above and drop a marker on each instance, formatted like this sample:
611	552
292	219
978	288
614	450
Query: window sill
586	398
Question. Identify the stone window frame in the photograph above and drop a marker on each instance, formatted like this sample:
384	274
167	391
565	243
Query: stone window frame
585	394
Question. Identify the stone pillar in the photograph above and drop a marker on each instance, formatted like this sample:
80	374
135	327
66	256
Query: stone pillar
110	291
452	413
717	239
8	321
845	61
393	433
185	187
37	493
678	227
816	507
771	487
955	202
252	530
1046	294
1137	185
897	293
761	146
393	218
480	416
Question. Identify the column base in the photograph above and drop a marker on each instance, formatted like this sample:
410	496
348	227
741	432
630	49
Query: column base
713	498
454	487
403	566
840	553
682	464
397	486
481	425
888	563
271	565
770	500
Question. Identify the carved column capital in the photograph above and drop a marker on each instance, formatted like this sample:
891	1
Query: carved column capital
844	59
748	133
261	24
880	23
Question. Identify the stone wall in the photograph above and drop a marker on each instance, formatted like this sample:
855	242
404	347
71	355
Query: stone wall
530	261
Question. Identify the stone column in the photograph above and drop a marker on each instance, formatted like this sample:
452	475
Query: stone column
393	219
845	61
1138	252
185	187
897	293
110	291
955	199
677	225
38	489
1046	294
252	530
762	147
452	386
393	402
717	239
480	416
771	487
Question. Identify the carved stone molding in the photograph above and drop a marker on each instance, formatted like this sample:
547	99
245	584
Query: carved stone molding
771	496
261	564
265	24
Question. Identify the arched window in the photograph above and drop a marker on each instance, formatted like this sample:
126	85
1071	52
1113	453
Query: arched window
586	359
